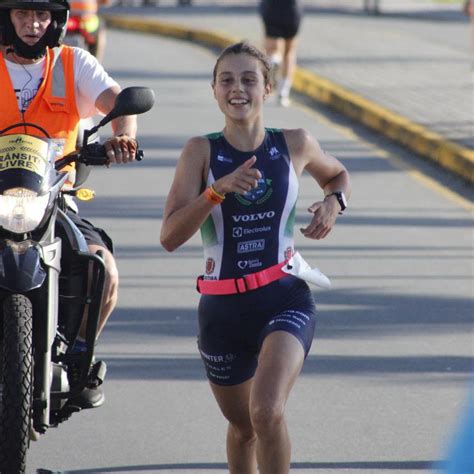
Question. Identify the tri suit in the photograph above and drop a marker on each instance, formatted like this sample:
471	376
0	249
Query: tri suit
246	234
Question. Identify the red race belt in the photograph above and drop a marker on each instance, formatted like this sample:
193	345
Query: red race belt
232	286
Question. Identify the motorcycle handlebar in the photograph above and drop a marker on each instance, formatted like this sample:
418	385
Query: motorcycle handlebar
93	154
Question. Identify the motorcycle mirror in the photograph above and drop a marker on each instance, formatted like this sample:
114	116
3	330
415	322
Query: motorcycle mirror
131	101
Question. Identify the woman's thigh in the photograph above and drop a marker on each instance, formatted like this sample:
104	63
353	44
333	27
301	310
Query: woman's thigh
279	364
233	402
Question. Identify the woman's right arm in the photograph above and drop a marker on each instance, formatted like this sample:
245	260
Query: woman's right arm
186	206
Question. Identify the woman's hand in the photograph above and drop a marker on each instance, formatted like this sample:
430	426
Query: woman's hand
324	217
241	180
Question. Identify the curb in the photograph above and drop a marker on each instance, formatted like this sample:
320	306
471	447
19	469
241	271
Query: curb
451	156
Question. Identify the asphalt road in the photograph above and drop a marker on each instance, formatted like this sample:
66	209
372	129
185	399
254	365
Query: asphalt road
388	372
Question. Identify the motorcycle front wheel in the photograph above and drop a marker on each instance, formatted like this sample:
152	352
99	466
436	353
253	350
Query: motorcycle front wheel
16	364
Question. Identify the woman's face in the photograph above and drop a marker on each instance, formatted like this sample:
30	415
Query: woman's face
30	25
239	87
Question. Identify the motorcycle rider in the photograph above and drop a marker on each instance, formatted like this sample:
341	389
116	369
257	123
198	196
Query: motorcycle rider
54	87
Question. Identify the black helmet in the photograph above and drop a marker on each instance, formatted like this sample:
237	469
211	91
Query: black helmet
53	36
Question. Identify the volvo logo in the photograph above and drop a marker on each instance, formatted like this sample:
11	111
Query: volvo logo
254	217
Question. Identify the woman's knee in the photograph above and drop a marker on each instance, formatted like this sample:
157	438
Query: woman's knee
266	418
243	433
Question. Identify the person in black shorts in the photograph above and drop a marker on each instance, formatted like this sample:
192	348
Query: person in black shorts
282	19
239	187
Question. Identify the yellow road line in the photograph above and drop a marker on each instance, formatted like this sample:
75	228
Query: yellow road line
401	163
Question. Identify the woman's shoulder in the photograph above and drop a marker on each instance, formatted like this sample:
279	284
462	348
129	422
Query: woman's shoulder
297	138
197	142
203	142
197	149
302	146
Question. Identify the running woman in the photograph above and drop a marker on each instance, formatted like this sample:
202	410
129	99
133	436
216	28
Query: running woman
256	323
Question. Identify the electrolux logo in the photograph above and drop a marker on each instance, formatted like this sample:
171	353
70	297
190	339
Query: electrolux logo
238	232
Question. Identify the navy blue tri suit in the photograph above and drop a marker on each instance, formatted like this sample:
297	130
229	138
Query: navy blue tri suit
245	234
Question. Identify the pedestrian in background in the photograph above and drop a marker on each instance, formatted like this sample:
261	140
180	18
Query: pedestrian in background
239	186
282	19
469	11
372	6
469	7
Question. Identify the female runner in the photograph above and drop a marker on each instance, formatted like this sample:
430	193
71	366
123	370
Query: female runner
239	187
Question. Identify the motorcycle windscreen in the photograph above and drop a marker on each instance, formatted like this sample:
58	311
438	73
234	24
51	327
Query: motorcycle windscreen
26	172
24	162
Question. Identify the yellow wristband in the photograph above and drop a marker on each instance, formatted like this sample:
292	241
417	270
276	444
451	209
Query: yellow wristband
213	189
211	195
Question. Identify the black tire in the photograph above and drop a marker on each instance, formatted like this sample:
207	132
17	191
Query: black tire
16	359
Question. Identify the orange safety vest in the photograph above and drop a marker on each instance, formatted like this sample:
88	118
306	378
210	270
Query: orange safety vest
54	105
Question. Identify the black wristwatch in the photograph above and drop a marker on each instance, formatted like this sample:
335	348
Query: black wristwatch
341	199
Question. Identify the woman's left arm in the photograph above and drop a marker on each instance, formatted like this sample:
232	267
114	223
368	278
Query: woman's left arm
328	172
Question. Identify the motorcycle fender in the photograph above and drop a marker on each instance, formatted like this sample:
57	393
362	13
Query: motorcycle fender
73	234
20	272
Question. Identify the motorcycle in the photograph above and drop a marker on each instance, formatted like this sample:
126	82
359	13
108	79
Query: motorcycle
48	278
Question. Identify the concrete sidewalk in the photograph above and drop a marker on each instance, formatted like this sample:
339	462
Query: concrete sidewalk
405	73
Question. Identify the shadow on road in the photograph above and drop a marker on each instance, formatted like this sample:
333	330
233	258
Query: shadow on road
177	367
355	315
351	314
362	465
210	8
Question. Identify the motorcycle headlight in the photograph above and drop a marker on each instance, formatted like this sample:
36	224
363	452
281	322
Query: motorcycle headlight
21	210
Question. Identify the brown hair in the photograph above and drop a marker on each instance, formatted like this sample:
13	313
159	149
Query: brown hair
245	48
